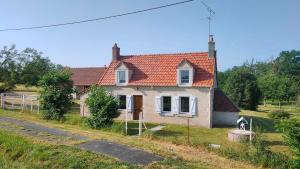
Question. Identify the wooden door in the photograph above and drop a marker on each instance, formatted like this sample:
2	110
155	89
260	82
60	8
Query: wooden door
138	106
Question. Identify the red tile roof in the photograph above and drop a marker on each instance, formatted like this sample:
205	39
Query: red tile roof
86	76
222	103
161	69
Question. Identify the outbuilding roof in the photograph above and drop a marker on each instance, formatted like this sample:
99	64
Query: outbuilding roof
161	69
86	76
222	103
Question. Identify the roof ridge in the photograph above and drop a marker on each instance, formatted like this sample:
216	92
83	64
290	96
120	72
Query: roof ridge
86	67
165	54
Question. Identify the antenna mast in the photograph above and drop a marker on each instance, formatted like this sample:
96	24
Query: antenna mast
211	12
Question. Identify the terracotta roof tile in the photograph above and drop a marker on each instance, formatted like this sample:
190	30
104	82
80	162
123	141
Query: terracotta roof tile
222	103
86	76
160	69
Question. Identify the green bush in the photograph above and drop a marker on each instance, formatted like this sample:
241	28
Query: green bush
257	153
279	114
56	97
291	131
103	108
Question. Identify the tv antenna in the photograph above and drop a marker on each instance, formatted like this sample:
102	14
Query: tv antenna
211	12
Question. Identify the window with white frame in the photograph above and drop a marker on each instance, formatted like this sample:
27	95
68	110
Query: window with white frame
184	104
166	103
184	76
121	76
122	101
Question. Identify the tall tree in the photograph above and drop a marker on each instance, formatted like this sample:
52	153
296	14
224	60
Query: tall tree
288	64
241	87
35	67
8	68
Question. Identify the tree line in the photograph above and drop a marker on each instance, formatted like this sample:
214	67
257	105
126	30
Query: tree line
247	85
254	82
25	67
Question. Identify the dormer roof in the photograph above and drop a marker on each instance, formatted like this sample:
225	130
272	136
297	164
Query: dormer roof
122	63
185	61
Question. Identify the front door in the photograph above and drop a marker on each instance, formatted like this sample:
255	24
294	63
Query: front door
138	106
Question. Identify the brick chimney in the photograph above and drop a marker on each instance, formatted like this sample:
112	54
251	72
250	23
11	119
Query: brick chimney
115	52
211	47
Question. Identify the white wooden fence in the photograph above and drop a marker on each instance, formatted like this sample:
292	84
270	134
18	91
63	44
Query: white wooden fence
15	101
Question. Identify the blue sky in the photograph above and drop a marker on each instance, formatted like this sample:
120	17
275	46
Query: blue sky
243	30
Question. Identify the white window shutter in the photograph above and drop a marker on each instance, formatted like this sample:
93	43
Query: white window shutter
176	105
193	102
158	104
129	103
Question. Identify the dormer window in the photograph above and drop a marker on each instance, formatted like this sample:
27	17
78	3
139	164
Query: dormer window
184	76
185	73
121	76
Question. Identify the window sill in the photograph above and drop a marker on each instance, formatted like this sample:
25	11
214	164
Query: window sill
122	110
185	85
118	84
184	115
168	114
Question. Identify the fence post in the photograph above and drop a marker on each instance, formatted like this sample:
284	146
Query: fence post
31	105
23	102
3	100
126	122
38	107
1	97
251	130
188	130
140	123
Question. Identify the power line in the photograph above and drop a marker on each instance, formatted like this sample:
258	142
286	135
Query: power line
96	19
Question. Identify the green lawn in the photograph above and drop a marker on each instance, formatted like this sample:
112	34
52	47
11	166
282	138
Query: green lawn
178	155
21	152
272	136
178	134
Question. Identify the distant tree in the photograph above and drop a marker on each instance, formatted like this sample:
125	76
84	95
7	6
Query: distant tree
277	87
241	87
222	77
8	68
35	66
103	108
56	97
262	68
288	64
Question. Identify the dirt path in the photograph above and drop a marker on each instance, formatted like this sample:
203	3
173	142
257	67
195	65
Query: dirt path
119	151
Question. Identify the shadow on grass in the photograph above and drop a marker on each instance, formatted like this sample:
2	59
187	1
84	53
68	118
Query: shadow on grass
275	143
169	133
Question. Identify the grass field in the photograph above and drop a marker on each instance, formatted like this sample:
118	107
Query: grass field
177	155
21	152
175	135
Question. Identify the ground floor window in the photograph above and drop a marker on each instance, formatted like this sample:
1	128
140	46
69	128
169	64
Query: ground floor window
184	104
166	103
122	101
